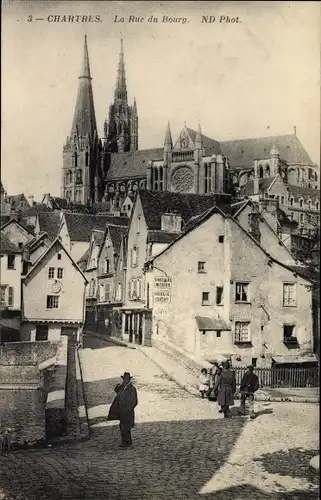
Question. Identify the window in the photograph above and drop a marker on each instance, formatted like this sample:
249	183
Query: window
52	302
309	205
221	238
218	333
289	295
317	205
79	176
289	333
219	295
106	267
282	200
301	203
291	216
253	362
3	301
291	202
118	294
134	256
242	332
10	296
11	261
42	332
60	273
261	171
51	273
59	256
242	292
107	294
301	217
205	299
201	267
78	196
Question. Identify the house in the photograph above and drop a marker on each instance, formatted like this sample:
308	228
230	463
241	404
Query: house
157	219
110	280
229	298
76	229
18	202
53	297
91	271
11	253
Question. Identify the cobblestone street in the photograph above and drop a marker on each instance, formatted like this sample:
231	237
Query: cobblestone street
183	449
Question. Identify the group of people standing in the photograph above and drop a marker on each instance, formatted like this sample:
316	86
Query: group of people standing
220	385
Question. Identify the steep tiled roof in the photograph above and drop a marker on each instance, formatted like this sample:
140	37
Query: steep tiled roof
305	192
156	203
49	222
211	146
132	164
59	203
242	152
161	237
84	258
116	234
8	246
80	226
264	184
36	209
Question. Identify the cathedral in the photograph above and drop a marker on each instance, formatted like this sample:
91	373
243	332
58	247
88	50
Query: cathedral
111	168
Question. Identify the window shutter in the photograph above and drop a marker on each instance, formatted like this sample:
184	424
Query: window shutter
129	288
10	296
139	291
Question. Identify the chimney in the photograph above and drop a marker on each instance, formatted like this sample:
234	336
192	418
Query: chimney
31	200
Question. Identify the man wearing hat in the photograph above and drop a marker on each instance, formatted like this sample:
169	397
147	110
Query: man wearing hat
127	401
249	385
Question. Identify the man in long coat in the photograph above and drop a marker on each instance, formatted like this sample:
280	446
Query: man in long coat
226	387
127	401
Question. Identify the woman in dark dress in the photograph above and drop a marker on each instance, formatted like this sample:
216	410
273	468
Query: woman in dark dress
226	388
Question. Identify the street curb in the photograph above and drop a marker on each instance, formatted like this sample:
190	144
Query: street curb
194	392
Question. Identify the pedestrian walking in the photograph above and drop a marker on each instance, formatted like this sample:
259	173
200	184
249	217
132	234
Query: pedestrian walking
226	388
204	382
249	385
122	408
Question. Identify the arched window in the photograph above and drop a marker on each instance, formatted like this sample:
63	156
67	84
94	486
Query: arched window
79	176
155	178
317	205
267	170
75	159
301	203
282	200
301	217
261	171
86	158
78	196
208	178
161	173
291	202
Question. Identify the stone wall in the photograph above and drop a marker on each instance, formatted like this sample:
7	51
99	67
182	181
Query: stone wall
27	353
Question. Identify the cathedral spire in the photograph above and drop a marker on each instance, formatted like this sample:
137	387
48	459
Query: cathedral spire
84	122
120	90
168	143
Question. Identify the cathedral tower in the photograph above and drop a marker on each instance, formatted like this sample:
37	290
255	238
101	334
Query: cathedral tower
81	150
121	129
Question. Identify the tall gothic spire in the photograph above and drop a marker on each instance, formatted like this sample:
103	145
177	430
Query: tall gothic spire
84	122
120	90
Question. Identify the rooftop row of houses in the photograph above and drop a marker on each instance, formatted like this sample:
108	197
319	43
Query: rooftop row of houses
205	273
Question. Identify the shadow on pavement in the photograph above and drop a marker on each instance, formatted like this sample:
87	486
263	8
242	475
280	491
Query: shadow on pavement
170	460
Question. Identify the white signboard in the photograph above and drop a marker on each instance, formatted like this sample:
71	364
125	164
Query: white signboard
162	296
163	282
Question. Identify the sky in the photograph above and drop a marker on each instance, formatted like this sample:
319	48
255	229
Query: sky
252	77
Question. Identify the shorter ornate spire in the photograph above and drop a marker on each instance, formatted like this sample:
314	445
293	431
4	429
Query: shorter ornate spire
168	143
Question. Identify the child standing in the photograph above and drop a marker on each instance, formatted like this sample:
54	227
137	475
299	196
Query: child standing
204	382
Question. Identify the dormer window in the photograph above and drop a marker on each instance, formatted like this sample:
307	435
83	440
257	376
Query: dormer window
171	223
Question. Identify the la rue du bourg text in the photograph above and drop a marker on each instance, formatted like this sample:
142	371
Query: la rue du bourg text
176	20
